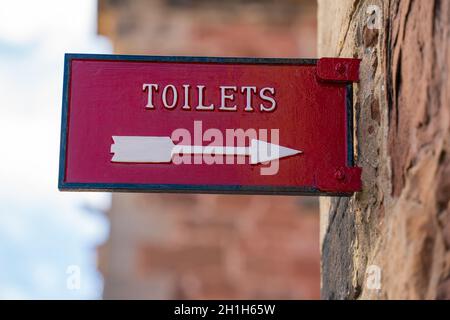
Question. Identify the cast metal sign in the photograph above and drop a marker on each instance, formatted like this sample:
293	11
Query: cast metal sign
208	125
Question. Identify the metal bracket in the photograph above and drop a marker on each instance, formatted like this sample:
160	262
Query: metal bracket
338	69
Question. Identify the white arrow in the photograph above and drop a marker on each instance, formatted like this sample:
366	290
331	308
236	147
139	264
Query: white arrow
140	149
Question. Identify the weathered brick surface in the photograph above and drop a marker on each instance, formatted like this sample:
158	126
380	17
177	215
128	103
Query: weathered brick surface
400	222
211	246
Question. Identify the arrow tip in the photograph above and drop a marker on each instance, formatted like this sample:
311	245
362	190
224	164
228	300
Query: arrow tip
261	151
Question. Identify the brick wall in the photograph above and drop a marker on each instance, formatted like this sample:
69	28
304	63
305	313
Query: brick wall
211	246
396	231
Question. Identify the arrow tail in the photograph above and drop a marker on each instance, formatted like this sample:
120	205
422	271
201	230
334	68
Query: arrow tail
141	149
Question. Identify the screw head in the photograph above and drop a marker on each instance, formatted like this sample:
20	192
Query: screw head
339	174
340	68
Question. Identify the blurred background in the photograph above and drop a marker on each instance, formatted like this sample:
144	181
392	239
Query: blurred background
155	246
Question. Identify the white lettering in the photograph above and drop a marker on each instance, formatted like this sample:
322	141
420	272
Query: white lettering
225	97
186	97
267	98
174	97
150	86
248	90
200	105
230	98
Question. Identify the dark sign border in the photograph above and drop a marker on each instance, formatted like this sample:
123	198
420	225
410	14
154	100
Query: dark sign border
187	188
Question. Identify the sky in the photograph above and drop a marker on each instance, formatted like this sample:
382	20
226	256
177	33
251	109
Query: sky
48	238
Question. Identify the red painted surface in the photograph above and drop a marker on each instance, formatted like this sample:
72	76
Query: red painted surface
339	70
106	99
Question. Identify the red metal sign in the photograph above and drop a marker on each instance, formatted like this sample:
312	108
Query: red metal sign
208	125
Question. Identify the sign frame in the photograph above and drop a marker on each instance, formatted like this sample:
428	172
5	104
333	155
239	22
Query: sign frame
348	78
